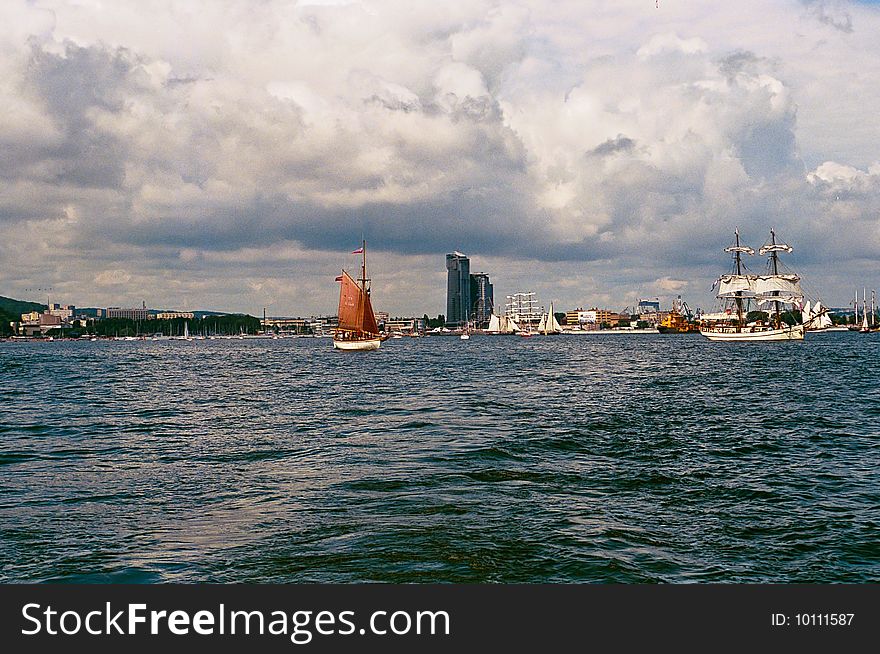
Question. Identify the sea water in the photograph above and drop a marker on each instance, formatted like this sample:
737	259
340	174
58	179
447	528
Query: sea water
640	458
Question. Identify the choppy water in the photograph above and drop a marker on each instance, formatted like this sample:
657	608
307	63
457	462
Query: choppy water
566	459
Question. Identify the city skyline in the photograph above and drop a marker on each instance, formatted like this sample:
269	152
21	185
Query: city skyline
226	156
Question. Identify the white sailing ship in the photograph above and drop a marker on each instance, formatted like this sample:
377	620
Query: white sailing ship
775	291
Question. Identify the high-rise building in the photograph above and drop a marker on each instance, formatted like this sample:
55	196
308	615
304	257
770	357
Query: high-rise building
482	300
458	289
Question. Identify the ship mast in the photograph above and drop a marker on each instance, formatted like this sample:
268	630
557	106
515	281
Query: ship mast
774	268
738	297
856	307
364	266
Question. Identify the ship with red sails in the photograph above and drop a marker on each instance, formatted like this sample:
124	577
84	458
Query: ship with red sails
357	329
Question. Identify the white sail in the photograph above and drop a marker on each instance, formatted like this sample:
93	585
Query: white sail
732	285
502	325
552	325
769	286
824	320
807	313
542	326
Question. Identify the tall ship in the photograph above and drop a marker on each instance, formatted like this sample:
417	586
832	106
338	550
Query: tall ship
745	295
357	329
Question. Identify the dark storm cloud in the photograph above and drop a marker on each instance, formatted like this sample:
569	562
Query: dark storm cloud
618	144
71	86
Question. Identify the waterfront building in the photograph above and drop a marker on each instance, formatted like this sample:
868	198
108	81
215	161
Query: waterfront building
458	289
581	317
648	310
591	317
63	311
131	314
34	323
482	300
91	312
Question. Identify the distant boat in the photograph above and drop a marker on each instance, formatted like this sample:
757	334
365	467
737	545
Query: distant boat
502	325
816	318
466	331
357	328
739	289
549	325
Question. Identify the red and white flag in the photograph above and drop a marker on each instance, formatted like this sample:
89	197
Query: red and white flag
360	250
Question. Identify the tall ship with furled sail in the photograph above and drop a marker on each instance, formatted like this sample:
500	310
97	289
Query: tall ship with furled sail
772	294
357	329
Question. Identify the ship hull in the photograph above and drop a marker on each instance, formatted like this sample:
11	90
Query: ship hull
353	346
792	333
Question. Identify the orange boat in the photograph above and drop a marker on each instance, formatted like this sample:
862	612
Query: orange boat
357	328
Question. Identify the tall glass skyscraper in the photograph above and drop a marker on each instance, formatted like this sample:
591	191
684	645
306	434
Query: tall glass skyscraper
482	300
458	289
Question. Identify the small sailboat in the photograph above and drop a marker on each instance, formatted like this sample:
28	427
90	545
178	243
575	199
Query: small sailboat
549	325
357	328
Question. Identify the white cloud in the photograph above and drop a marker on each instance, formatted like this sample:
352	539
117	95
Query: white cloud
669	42
615	143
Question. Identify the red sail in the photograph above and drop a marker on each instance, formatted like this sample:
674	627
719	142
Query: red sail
370	325
350	305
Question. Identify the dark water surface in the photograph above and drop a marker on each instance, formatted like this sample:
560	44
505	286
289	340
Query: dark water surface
499	459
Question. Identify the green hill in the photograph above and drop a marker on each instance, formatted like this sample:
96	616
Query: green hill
18	307
11	310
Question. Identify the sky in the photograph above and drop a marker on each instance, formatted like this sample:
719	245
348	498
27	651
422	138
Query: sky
230	154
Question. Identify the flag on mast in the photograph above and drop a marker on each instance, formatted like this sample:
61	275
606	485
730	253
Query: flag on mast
360	250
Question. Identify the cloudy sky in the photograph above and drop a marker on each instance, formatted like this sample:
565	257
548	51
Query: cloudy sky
230	154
